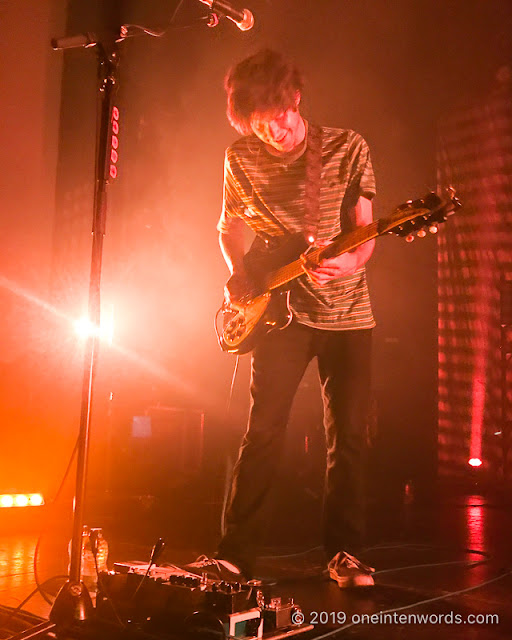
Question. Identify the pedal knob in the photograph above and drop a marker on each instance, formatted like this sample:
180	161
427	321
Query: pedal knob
433	228
421	233
409	238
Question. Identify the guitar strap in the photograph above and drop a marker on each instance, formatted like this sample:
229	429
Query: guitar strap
313	181
313	162
312	196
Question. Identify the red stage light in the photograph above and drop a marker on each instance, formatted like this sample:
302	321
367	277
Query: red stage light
475	462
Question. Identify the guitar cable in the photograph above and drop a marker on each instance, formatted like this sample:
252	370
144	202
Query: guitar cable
229	461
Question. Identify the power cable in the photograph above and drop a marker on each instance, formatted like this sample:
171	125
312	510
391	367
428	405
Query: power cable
15	611
44	531
229	462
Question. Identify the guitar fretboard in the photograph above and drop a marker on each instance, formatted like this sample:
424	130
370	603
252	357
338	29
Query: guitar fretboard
344	243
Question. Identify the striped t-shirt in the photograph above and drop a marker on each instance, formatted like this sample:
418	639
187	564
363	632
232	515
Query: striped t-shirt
267	193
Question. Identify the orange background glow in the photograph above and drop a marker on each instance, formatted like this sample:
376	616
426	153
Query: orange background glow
387	70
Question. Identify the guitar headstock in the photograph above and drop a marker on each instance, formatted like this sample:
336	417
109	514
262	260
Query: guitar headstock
415	217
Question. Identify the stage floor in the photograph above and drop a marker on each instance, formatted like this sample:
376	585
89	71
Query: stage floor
443	569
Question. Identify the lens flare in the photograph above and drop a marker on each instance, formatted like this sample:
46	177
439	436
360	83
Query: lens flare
85	328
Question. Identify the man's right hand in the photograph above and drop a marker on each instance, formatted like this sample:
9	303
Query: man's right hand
237	287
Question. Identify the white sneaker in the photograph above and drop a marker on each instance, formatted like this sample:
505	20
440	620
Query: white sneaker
348	571
216	569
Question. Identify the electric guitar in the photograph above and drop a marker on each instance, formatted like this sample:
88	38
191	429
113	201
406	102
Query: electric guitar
266	307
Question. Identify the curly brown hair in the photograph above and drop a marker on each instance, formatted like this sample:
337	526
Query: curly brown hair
264	82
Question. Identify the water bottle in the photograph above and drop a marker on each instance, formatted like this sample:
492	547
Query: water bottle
89	575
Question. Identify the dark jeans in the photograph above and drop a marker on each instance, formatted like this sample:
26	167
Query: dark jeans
278	364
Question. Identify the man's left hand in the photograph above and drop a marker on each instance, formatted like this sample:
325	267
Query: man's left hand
329	269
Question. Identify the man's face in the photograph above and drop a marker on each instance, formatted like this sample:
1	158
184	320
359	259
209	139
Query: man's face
283	130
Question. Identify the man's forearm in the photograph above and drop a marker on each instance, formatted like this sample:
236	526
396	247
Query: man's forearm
232	246
364	252
362	215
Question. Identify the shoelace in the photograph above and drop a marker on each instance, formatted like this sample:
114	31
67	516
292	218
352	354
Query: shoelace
222	566
205	561
352	562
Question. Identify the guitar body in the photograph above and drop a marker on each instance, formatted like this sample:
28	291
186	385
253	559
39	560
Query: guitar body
270	271
252	317
246	322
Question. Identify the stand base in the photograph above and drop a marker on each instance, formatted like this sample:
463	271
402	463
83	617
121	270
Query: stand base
72	605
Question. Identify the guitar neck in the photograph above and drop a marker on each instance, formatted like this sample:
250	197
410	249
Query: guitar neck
417	214
342	244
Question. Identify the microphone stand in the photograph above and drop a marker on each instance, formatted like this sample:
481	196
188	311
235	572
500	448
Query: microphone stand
73	602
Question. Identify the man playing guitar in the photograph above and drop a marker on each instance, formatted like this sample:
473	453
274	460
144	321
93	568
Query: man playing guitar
287	177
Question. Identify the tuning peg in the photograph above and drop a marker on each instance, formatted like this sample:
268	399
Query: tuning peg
409	238
433	228
421	233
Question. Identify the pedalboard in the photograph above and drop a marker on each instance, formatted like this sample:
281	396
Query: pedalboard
169	602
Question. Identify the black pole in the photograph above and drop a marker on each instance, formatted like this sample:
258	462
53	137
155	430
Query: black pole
73	602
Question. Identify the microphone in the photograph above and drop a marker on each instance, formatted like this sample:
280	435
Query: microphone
243	18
